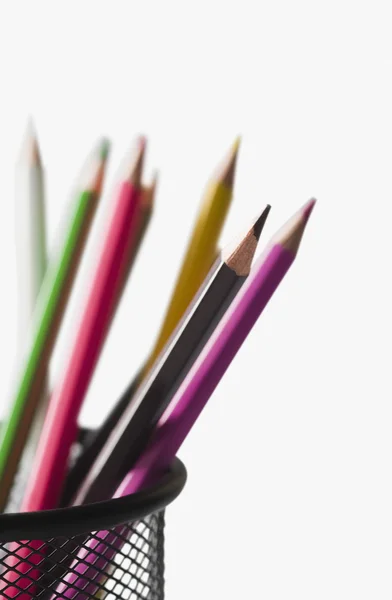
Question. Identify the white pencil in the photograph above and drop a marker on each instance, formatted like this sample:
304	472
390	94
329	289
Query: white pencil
31	266
30	230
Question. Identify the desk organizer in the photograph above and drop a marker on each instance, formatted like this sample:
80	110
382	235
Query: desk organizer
135	532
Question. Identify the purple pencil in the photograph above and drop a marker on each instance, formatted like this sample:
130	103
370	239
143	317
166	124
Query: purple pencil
193	394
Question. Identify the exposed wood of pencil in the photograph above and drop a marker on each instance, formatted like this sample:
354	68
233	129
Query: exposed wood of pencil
202	248
148	200
217	292
18	430
30	154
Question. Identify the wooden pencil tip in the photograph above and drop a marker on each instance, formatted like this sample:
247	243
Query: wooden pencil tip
259	225
94	171
228	168
239	257
30	152
134	166
236	145
142	143
290	235
103	148
308	208
154	182
149	191
31	130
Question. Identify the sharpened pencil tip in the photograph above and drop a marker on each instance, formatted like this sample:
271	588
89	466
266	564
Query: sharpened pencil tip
239	256
93	172
290	235
30	152
236	145
149	191
134	164
154	182
227	172
142	143
104	148
259	225
308	208
30	127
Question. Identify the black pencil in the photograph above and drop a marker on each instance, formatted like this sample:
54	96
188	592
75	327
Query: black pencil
140	416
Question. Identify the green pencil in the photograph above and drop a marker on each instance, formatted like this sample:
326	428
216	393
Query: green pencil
49	311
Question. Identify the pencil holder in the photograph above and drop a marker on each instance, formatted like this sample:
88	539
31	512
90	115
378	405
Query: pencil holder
131	528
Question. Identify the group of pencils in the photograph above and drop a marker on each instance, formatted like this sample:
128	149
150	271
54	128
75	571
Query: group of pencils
217	298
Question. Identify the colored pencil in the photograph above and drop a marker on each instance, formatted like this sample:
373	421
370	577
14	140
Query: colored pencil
202	249
60	428
98	438
222	284
31	255
191	397
30	230
51	304
200	255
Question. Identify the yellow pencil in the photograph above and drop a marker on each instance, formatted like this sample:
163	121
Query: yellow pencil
202	248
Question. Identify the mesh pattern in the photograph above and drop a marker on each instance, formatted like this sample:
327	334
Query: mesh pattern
132	568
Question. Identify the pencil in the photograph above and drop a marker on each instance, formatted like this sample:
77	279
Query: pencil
50	308
97	438
30	229
202	248
192	396
124	445
31	255
60	427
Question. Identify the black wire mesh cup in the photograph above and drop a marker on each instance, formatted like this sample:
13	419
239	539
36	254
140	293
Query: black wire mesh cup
132	529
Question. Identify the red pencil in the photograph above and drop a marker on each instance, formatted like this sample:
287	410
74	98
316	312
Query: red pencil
60	427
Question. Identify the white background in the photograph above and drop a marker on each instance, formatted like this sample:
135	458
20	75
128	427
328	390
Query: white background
289	492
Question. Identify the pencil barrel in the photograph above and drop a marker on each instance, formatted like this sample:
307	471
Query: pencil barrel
131	566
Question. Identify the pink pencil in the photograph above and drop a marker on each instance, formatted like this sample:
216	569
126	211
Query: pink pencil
192	395
60	427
